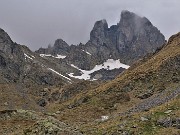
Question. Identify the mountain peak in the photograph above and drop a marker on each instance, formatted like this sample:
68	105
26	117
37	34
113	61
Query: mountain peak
104	21
101	24
60	43
126	13
6	44
132	35
99	32
130	19
4	37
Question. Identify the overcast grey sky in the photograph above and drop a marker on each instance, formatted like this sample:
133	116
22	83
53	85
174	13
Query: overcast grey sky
36	23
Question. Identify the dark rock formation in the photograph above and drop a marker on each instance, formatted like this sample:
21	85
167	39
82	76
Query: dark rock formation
104	74
60	47
99	33
42	102
11	58
131	39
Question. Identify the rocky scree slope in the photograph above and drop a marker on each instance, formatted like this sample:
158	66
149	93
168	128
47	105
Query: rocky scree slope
131	39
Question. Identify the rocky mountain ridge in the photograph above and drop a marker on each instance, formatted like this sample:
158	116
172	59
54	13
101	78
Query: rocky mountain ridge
35	73
131	39
18	62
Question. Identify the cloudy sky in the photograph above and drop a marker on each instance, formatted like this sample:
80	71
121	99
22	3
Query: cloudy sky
36	23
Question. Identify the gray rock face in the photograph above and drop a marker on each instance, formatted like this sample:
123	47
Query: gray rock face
26	71
5	42
99	33
61	47
17	64
132	38
8	47
11	57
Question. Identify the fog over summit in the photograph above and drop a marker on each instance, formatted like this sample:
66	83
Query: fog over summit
38	23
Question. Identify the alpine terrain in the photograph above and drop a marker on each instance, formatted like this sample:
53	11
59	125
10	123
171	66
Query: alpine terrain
124	81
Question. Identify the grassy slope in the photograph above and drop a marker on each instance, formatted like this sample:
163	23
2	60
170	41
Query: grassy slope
134	125
157	73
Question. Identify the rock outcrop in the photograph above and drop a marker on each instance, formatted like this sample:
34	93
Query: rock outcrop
60	47
11	58
131	39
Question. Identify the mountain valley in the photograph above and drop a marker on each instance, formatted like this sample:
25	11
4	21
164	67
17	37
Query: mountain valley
124	81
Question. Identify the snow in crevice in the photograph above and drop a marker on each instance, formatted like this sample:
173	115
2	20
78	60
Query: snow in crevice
49	55
29	57
110	64
86	52
59	74
60	56
32	56
45	55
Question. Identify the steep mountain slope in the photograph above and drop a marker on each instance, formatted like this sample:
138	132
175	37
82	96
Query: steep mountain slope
150	82
131	39
18	62
24	75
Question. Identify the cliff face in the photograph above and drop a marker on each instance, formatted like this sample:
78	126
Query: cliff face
11	58
132	38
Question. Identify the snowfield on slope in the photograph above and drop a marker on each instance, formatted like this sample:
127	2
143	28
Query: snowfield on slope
49	55
59	74
26	56
86	52
110	64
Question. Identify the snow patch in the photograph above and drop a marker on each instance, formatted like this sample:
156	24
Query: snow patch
59	74
49	55
26	56
86	52
46	55
110	64
60	56
75	67
32	56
